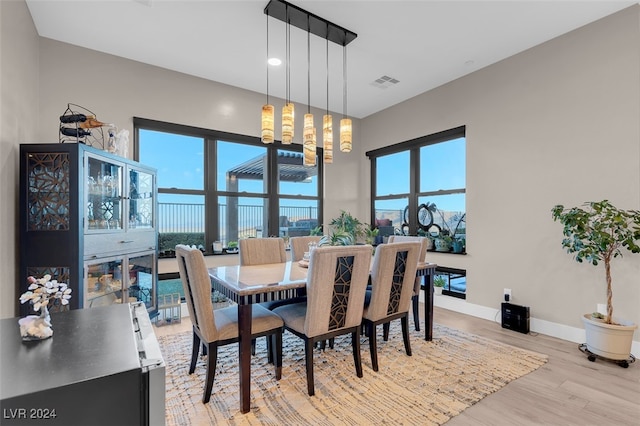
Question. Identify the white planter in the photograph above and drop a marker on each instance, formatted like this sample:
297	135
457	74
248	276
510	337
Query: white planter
608	340
437	290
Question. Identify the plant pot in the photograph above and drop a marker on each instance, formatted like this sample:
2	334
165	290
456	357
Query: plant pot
443	245
458	247
437	290
608	340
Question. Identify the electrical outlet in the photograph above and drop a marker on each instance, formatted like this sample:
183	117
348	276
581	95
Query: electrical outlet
507	292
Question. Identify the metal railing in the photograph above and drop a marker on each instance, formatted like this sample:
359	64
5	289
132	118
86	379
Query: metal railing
190	218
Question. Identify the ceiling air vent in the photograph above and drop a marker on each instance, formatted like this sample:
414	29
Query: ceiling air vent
384	82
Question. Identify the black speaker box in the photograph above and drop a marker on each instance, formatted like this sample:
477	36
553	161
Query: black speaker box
515	317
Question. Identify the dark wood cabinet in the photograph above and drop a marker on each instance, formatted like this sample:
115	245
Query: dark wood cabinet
88	218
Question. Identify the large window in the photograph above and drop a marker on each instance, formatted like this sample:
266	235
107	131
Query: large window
216	186
418	186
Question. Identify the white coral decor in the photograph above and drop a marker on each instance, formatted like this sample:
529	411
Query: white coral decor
41	293
43	290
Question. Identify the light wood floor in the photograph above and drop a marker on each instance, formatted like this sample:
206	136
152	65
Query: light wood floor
568	390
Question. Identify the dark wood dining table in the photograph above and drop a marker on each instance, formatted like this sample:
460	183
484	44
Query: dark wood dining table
247	285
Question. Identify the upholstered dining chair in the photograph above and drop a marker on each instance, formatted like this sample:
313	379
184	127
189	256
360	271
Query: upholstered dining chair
213	328
336	285
392	278
260	251
415	300
300	245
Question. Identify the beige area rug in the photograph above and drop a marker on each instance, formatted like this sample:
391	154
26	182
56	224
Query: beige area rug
440	380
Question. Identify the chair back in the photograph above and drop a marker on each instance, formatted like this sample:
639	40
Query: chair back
260	251
424	243
392	278
197	291
336	286
299	245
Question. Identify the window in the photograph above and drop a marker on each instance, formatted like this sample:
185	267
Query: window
419	183
419	187
216	186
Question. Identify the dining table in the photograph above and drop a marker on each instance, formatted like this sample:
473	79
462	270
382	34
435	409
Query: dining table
246	285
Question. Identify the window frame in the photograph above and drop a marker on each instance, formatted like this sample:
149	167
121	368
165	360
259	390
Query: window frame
210	191
413	146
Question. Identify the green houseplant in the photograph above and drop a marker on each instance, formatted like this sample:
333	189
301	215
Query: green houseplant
346	223
439	281
598	232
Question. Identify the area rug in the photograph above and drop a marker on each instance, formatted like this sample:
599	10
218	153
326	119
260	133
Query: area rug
440	380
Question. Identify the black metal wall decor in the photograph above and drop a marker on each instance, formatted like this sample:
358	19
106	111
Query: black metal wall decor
78	124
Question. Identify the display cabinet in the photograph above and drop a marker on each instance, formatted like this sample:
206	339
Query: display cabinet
88	218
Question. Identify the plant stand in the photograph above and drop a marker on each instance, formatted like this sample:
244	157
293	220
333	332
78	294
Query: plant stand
624	363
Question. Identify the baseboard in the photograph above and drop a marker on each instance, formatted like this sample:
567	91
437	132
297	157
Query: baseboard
560	331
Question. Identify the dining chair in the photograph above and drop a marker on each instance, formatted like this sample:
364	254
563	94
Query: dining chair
300	245
219	327
260	251
336	285
415	299
392	278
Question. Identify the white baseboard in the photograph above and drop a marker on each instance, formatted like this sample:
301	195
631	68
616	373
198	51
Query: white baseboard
560	331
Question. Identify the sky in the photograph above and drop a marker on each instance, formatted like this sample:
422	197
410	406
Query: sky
442	167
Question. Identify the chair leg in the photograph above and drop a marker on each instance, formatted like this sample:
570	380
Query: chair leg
253	347
405	333
195	350
385	331
308	352
270	348
416	313
373	346
331	342
355	342
276	352
211	371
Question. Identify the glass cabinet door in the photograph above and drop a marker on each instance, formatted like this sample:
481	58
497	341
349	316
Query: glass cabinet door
48	196
103	283
141	199
142	279
104	194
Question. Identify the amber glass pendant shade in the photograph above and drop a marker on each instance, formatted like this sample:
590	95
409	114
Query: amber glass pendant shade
327	138
345	135
267	124
287	123
310	146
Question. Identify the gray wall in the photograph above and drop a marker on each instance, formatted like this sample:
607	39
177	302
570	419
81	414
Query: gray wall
19	120
555	124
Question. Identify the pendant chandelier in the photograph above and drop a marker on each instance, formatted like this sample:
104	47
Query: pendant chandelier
268	126
312	24
309	131
327	123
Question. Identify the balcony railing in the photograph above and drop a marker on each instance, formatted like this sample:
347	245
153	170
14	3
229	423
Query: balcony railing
184	218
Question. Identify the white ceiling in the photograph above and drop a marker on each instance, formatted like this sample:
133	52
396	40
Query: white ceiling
421	43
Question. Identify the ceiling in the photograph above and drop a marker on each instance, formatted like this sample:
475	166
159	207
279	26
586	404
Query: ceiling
422	44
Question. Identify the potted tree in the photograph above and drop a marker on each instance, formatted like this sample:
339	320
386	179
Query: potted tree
598	232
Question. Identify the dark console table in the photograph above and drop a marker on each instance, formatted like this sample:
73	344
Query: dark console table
101	367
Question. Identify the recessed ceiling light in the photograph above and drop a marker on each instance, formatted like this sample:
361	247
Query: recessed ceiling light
274	61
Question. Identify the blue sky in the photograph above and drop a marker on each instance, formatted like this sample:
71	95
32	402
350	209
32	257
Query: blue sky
184	168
